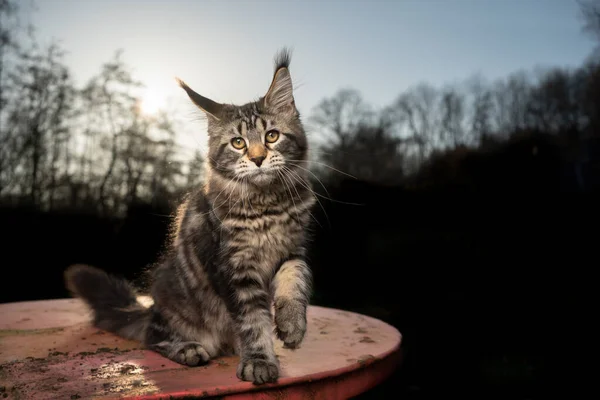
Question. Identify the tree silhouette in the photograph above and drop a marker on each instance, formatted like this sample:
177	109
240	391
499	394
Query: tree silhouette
91	147
510	98
415	118
339	117
359	144
453	110
38	125
590	13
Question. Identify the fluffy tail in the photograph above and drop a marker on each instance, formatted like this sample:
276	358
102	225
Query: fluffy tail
112	300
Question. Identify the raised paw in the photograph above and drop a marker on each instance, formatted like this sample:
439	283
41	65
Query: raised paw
257	371
290	322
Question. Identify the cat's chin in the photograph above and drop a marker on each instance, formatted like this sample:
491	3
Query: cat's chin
262	178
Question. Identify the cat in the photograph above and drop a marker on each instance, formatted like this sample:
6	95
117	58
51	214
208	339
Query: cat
235	272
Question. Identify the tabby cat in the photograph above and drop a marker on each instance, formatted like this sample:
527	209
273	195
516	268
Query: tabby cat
235	268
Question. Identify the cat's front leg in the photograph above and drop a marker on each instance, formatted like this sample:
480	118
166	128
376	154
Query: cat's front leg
249	306
292	287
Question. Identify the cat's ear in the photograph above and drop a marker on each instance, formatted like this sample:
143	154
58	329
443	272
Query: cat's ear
211	108
280	96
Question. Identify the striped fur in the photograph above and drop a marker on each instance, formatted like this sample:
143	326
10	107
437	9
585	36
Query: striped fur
238	247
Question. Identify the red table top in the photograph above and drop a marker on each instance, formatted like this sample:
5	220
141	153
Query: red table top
48	350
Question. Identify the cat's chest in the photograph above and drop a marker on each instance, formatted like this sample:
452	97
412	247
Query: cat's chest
263	240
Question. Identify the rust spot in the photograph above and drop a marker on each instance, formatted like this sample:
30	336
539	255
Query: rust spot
366	339
360	330
363	360
58	353
104	350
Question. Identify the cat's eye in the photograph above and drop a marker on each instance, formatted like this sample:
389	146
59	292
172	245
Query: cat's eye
272	136
238	143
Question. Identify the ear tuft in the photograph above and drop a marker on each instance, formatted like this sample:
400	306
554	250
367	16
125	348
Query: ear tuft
280	96
283	58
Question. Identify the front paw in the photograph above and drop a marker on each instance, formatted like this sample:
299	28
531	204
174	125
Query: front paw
185	353
290	322
257	371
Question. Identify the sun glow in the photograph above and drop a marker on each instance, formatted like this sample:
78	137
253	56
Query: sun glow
152	101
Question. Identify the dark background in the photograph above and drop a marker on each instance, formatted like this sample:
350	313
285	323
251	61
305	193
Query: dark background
474	234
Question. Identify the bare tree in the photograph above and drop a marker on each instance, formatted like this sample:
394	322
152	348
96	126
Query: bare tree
361	143
511	98
38	122
167	167
590	101
555	102
89	147
340	116
8	46
482	108
130	157
415	117
590	13
111	106
453	118
373	154
8	50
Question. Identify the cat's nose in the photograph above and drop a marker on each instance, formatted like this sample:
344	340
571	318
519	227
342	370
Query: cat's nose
257	160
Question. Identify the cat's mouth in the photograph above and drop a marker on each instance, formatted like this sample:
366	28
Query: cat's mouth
262	178
263	175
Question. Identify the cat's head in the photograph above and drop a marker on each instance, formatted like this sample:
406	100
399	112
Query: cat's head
252	142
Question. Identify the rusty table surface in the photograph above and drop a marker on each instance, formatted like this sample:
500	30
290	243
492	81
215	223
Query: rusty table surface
49	350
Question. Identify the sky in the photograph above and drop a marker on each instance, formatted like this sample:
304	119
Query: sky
224	49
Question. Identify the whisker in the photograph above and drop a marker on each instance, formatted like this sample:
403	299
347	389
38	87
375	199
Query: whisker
328	166
313	174
226	186
284	170
282	177
162	215
237	180
215	200
320	195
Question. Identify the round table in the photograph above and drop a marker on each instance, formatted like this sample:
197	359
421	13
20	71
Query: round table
49	350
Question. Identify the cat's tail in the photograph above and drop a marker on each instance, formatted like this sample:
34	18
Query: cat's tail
113	301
